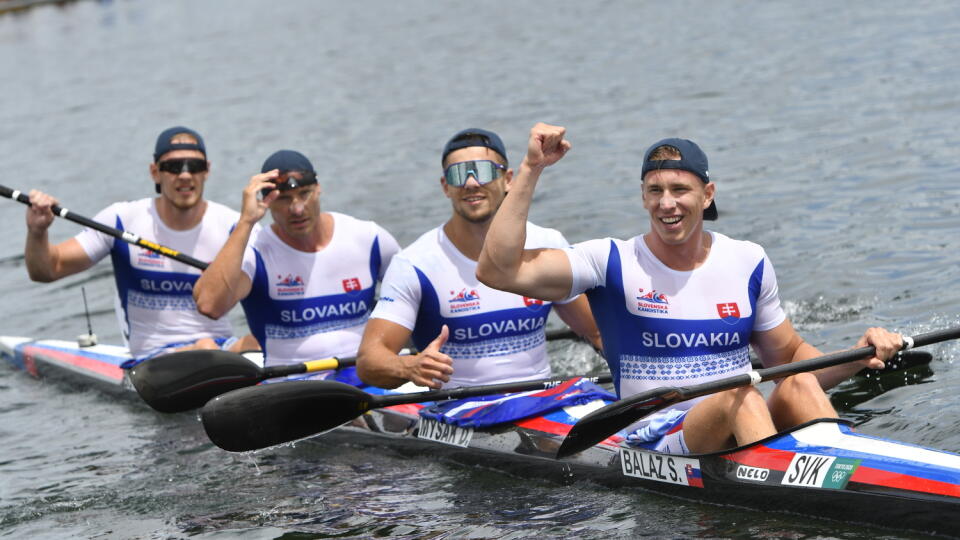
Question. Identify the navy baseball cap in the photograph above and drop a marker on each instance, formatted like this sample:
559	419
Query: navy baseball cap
164	145
290	160
692	159
474	137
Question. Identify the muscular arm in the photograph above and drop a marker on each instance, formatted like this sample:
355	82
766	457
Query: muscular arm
379	364
783	344
45	262
579	318
503	263
224	282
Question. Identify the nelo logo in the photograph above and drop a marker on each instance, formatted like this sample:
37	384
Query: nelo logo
754	474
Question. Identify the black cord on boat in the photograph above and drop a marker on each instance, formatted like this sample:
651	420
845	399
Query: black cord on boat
86	310
90	339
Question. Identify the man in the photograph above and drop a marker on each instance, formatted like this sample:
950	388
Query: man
306	282
467	333
154	294
676	306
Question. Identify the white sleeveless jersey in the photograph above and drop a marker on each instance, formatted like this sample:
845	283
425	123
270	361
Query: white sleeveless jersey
305	306
495	336
663	327
155	293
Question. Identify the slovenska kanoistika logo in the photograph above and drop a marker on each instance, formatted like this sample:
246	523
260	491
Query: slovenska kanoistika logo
290	285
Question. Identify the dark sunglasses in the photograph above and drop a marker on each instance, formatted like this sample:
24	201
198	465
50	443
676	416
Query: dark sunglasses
286	182
179	166
485	171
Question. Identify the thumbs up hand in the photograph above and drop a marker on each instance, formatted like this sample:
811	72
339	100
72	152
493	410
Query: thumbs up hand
430	367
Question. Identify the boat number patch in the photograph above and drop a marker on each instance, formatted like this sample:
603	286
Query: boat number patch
661	467
752	474
444	433
820	471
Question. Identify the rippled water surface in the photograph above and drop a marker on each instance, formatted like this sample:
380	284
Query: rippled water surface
832	131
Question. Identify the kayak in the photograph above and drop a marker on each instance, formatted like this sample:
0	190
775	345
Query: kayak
822	469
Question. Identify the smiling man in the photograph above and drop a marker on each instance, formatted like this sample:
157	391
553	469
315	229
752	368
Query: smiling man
676	306
154	294
467	333
306	282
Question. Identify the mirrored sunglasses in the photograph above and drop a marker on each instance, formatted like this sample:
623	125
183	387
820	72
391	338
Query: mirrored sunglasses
483	171
179	166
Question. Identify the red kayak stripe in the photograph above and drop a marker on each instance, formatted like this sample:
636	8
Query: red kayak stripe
103	368
869	475
540	423
409	408
762	456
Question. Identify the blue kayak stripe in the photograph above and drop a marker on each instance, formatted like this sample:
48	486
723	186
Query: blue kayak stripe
918	469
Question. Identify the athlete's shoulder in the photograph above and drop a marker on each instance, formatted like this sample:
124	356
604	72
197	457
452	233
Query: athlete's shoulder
219	211
126	211
356	225
130	207
746	248
427	244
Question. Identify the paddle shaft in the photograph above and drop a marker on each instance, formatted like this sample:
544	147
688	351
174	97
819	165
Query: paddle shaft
126	236
389	400
311	366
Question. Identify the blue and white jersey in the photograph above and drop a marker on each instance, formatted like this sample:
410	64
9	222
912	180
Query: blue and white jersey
495	336
309	305
663	327
155	293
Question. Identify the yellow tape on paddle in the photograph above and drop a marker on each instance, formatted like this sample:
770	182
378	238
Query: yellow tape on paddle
322	365
163	250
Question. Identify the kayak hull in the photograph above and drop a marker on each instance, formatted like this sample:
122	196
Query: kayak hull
822	469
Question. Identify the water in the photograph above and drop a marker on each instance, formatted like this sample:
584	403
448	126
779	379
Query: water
831	130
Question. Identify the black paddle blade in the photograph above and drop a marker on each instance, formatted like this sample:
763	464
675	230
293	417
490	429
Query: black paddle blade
601	423
271	414
188	379
904	369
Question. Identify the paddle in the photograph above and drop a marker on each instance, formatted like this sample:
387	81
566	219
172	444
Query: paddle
126	236
262	416
904	369
186	380
600	424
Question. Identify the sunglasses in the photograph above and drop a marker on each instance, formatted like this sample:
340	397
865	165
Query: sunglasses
286	182
484	172
179	166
